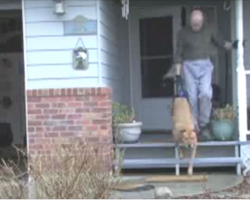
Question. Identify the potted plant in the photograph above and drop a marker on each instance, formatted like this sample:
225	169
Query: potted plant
126	129
223	123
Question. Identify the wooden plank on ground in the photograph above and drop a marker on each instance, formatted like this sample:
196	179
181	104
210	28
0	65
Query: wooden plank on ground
168	178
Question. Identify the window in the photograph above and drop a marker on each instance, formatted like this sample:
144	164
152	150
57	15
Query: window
156	51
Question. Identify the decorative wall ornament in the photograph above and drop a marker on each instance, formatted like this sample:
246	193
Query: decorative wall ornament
125	8
80	56
80	25
6	102
59	7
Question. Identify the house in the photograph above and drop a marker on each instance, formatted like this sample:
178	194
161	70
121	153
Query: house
127	53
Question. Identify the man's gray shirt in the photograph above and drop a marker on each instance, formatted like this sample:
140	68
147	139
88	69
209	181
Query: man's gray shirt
193	45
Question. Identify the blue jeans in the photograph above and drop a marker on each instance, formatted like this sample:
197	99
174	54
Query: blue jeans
197	76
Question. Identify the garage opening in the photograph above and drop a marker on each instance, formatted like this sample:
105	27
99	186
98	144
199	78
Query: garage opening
12	79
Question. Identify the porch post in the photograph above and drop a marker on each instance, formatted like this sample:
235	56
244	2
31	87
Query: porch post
241	76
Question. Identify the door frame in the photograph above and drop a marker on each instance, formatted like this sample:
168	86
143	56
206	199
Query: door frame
137	13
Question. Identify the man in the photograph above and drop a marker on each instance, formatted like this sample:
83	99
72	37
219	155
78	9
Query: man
194	49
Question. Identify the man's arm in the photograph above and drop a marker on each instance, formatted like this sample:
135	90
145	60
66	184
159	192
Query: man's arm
219	41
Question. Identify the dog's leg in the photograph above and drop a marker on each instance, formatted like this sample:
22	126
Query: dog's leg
181	153
193	155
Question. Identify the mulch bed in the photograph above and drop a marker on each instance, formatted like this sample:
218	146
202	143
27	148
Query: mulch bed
241	191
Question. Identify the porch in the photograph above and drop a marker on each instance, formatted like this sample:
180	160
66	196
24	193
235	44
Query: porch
146	60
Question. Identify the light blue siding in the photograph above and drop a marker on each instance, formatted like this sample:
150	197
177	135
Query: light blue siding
49	51
114	50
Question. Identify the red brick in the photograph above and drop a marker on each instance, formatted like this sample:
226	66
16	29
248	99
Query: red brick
59	128
50	111
93	139
86	121
43	105
33	99
83	98
75	104
91	104
34	111
59	105
100	121
31	129
34	123
83	110
105	103
74	116
36	135
41	117
35	146
75	128
92	128
69	92
40	129
104	127
31	106
67	134
51	134
99	110
32	141
59	116
63	92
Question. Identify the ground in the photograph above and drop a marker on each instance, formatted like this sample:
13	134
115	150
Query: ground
242	191
218	185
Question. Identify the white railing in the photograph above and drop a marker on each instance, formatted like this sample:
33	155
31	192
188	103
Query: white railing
247	73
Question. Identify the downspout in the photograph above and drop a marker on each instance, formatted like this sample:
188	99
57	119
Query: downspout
241	76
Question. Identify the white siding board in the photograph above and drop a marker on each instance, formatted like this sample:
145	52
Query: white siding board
108	58
85	3
60	71
110	72
31	4
55	57
105	31
60	42
44	29
62	83
47	14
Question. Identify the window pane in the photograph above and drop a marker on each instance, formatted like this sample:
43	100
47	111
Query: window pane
152	73
156	36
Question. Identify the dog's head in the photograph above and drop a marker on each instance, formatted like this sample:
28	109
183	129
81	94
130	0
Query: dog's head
189	137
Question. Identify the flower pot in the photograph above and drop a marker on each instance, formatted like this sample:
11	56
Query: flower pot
223	130
129	132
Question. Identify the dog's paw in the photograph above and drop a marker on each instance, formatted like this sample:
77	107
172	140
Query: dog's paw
190	171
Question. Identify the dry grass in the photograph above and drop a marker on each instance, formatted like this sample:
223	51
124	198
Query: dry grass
75	172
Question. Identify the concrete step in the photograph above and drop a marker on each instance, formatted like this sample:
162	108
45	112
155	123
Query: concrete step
172	144
170	163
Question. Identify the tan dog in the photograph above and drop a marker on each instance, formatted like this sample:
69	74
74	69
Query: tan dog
183	130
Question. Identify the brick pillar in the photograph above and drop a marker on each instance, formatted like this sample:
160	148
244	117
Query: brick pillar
60	116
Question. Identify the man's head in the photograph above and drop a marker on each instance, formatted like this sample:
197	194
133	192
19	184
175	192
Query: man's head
196	20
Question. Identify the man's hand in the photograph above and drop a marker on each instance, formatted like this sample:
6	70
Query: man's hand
178	69
228	46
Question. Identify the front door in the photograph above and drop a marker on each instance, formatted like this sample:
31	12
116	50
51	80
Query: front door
152	40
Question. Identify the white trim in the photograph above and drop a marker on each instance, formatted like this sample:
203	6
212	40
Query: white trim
233	58
25	72
241	82
130	63
11	5
99	43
